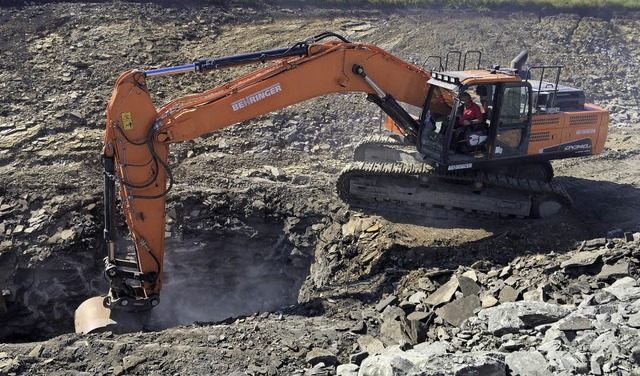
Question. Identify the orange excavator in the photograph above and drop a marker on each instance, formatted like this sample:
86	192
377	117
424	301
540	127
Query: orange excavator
501	166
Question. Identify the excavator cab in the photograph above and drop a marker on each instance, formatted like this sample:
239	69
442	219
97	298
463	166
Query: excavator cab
503	132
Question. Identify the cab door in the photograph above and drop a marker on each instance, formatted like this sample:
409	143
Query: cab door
511	120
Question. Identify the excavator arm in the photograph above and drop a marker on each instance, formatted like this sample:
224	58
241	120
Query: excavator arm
138	134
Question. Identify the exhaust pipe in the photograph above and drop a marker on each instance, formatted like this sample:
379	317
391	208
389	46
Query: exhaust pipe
519	61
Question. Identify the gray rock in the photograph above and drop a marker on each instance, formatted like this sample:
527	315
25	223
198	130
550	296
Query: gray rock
620	269
595	243
489	301
392	333
508	294
395	362
415	330
596	366
570	362
443	294
603	297
370	344
578	287
581	259
474	363
432	349
418	297
347	370
511	317
555	335
549	346
468	286
392	313
131	361
388	365
425	317
605	342
316	356
634	320
320	369
574	322
471	274
528	363
624	289
635	355
457	312
536	295
358	357
36	351
359	327
384	303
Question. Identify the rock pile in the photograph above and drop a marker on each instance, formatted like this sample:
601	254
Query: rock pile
575	313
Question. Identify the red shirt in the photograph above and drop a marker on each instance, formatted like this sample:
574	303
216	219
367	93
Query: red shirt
472	112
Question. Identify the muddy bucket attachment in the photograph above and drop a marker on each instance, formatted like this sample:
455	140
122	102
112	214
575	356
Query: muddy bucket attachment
92	316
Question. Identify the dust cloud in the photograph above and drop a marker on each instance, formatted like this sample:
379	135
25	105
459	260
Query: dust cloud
212	278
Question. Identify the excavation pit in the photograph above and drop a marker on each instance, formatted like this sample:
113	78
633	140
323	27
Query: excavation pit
209	276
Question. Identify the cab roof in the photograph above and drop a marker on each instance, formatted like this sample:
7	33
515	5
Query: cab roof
479	76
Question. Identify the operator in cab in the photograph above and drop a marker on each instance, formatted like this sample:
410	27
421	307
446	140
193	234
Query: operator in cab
472	114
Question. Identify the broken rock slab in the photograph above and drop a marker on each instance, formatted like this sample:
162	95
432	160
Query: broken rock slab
528	363
474	363
489	301
316	356
403	331
457	312
131	361
574	322
370	344
347	370
514	316
625	289
582	259
384	303
432	360
425	317
468	286
536	295
508	294
619	270
444	293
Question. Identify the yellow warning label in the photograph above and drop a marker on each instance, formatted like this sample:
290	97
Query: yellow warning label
127	123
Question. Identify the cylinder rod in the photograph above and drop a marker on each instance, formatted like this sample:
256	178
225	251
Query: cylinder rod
171	70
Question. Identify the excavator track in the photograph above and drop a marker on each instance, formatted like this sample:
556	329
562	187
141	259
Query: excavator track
382	148
418	187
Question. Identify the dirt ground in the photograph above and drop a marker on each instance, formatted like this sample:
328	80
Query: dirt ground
255	225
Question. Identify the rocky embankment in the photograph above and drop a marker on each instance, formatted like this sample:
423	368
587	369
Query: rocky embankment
553	314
